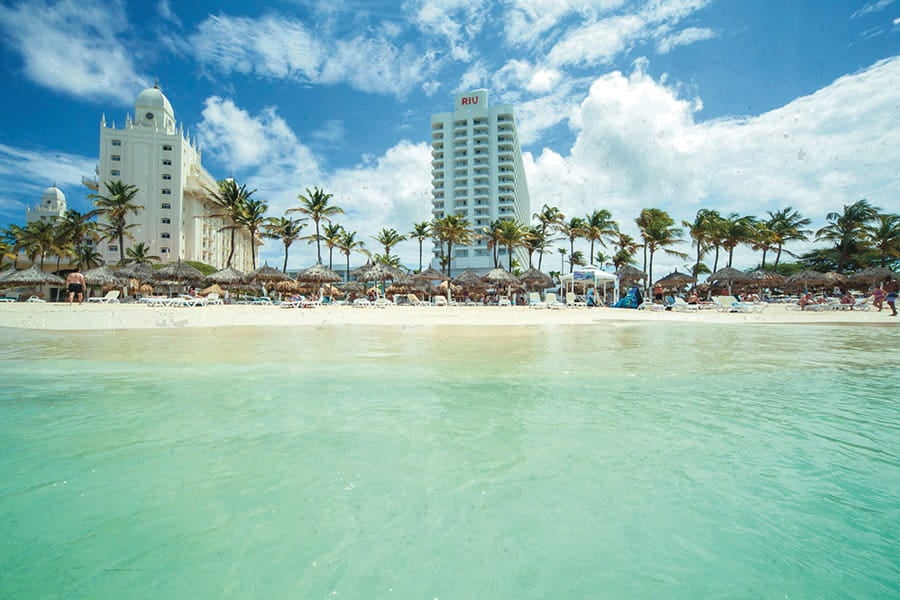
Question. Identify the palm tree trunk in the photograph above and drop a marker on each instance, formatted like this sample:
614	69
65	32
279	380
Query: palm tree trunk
284	268
420	256
449	259
121	248
509	252
347	274
318	245
777	257
763	259
230	251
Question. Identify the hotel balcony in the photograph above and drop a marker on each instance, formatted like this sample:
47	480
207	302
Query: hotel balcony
90	183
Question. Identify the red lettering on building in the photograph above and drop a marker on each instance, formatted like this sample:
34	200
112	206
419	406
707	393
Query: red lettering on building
469	100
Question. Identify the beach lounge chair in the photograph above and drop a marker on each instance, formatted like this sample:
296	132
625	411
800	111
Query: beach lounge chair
189	301
213	298
534	300
111	297
440	301
679	305
730	304
552	302
503	301
305	303
650	305
382	302
361	303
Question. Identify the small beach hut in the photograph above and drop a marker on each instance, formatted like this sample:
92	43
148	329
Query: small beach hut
728	277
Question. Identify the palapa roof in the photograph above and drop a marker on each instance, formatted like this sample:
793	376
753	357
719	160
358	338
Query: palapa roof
31	276
318	273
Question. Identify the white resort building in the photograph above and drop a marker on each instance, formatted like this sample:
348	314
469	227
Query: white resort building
52	206
176	222
477	172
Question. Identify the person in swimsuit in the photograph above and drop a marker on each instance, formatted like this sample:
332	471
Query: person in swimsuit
75	285
890	286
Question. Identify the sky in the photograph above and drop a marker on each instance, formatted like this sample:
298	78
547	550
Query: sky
744	107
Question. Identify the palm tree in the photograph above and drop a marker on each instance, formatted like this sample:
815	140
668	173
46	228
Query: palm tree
284	229
884	236
847	230
659	233
573	230
421	232
511	235
114	207
452	229
702	231
786	225
140	253
598	227
330	234
38	239
549	219
228	202
388	238
534	240
252	217
737	230
492	234
625	248
576	259
87	257
315	205
13	236
72	230
6	250
348	243
562	259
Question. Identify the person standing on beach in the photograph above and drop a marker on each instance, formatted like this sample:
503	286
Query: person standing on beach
890	286
75	285
878	295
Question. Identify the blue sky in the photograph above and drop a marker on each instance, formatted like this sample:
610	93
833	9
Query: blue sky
677	104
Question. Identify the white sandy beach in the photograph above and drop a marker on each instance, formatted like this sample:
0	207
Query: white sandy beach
55	316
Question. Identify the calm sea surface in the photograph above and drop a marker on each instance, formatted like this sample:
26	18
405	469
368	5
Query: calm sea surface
609	461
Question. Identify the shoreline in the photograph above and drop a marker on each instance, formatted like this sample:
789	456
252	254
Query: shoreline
92	317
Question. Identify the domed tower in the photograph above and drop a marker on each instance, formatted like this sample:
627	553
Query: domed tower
153	109
51	207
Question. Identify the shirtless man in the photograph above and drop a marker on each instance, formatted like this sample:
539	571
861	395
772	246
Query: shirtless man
890	287
75	285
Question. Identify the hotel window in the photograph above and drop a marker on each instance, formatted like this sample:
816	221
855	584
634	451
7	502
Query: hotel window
114	173
166	176
165	235
117	142
166	205
166	192
166	220
167	162
115	157
164	249
167	148
113	248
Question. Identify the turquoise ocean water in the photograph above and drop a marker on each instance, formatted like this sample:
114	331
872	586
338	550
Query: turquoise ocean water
606	461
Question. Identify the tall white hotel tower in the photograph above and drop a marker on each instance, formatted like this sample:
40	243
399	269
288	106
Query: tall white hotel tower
177	222
477	172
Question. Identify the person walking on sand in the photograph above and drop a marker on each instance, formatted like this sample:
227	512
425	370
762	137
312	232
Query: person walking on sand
75	285
878	295
890	287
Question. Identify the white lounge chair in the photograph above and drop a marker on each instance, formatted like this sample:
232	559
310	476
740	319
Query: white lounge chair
730	304
382	302
503	301
440	301
361	303
679	305
552	302
534	300
111	297
213	298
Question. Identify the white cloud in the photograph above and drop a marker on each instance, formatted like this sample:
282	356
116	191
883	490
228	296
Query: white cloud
527	22
74	47
639	146
267	47
872	7
520	74
455	21
596	43
685	37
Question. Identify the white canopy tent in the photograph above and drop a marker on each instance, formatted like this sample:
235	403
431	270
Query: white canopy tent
590	276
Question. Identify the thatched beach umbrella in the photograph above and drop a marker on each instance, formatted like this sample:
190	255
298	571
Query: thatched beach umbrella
102	276
675	280
379	272
178	272
728	276
766	278
469	281
142	271
226	276
6	272
213	289
318	273
806	278
429	275
266	274
872	275
31	276
535	279
629	274
499	277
